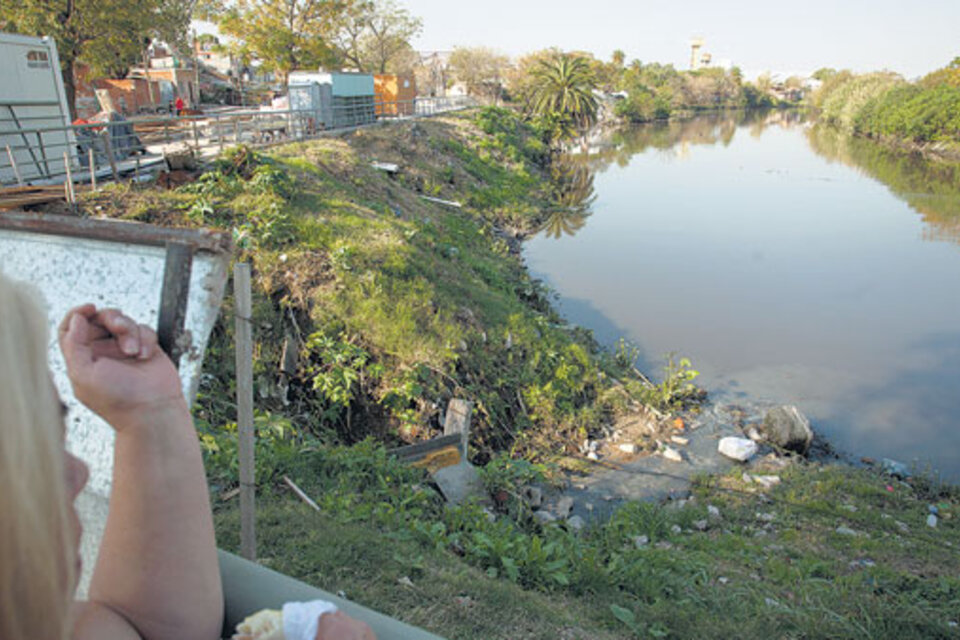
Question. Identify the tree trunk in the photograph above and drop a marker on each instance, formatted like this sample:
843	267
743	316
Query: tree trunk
69	86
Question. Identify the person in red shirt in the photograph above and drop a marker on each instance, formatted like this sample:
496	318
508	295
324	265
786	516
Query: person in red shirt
178	105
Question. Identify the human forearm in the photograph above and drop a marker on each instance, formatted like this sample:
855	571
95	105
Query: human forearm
158	565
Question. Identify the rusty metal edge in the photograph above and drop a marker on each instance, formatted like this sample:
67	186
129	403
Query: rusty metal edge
121	231
412	451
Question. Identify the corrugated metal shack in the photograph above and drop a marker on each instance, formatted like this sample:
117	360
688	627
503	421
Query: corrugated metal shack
341	99
395	94
32	101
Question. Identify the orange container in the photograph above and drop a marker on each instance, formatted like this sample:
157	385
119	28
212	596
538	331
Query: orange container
394	94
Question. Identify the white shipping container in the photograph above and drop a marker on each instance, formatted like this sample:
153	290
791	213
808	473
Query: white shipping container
32	101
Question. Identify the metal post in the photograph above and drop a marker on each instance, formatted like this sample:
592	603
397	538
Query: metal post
93	169
13	163
196	135
244	346
220	133
113	161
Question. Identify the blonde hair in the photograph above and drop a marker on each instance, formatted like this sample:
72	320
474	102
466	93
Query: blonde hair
37	555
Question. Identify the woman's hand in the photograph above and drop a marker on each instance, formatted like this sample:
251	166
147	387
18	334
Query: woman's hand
340	626
116	366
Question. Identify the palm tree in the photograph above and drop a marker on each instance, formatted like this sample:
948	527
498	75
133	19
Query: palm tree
563	86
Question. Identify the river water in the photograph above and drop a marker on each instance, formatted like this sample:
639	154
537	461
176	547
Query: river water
789	263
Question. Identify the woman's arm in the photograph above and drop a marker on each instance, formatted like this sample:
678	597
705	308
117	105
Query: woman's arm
157	568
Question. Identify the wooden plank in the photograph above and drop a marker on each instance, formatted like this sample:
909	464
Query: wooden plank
115	231
421	449
436	460
9	204
244	346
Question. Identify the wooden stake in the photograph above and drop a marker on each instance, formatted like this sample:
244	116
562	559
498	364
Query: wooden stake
113	161
244	347
301	494
71	196
93	170
13	163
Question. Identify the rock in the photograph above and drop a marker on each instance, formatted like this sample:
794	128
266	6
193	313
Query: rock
405	581
671	454
786	427
700	525
902	526
894	468
766	517
533	496
846	531
640	541
753	434
663	544
932	521
675	529
767	482
739	449
593	456
544	517
680	440
713	512
723	580
576	524
459	482
628	448
564	506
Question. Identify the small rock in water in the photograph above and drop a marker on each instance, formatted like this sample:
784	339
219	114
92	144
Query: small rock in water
931	521
640	541
846	531
786	427
564	506
544	517
680	440
894	468
628	448
739	449
671	454
712	511
576	523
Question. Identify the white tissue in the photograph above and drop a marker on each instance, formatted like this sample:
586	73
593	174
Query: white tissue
301	619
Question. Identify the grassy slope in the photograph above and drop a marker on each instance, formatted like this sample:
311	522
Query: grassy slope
432	295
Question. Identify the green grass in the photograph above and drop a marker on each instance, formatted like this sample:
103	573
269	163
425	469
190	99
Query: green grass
772	565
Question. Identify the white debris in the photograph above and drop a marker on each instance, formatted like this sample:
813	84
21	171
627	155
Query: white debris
846	531
640	541
740	449
712	511
576	523
931	521
671	454
767	482
676	529
405	581
680	440
628	448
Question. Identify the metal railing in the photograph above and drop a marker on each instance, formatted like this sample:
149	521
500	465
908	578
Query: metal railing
88	153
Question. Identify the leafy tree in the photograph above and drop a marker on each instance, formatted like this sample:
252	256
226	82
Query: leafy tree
375	36
107	35
564	87
284	34
618	58
481	69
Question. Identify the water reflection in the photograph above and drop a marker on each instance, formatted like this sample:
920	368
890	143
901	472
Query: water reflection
931	188
678	137
573	195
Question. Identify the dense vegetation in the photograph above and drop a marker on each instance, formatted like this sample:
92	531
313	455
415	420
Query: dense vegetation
374	307
885	106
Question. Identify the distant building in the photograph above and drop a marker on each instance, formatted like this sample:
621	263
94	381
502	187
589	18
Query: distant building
699	59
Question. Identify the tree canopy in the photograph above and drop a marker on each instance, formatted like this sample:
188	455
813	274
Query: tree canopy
374	36
563	88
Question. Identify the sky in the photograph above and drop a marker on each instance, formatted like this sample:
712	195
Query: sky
911	37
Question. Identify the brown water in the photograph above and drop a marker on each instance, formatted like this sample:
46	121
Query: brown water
789	263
